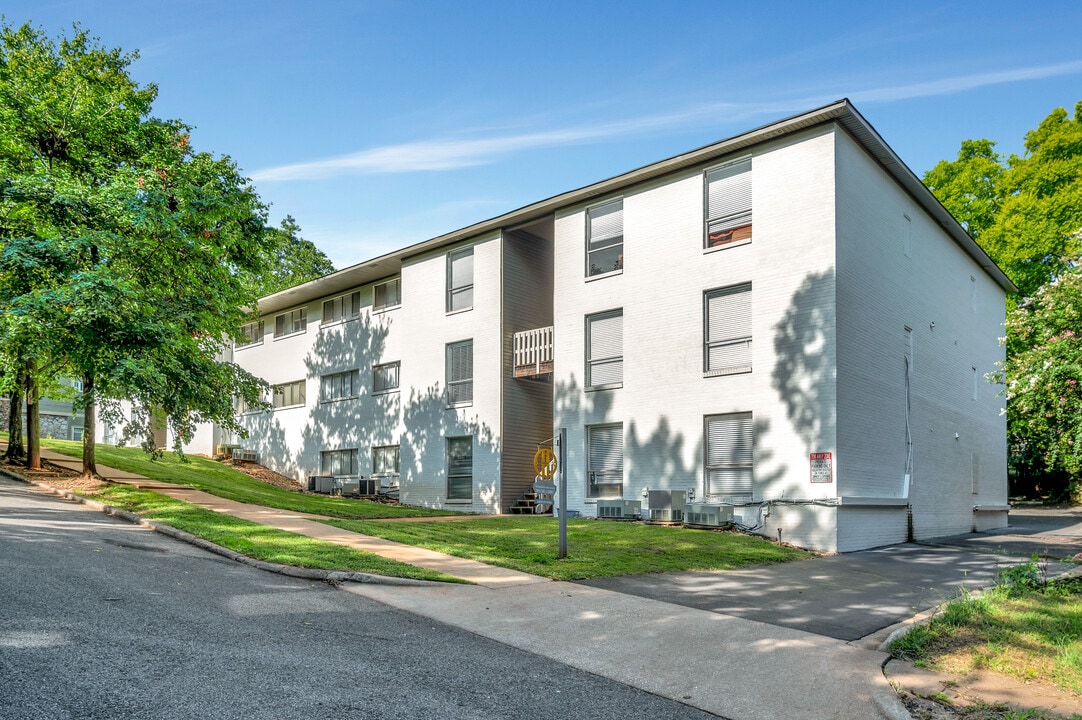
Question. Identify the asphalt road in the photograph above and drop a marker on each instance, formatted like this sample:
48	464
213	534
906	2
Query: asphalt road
101	619
854	595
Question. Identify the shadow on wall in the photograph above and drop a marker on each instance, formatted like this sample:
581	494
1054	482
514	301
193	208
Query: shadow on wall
805	369
345	412
569	400
658	461
428	424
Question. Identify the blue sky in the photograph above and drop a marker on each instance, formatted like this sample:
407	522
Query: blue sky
381	124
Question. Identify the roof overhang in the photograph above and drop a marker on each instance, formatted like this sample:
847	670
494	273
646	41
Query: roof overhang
841	112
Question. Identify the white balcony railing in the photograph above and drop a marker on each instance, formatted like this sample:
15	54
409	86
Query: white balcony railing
533	352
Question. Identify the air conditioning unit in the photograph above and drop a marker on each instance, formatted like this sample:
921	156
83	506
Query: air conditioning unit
321	483
246	455
619	509
357	486
704	515
666	505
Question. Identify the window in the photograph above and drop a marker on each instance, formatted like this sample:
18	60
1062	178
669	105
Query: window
342	308
338	462
605	238
250	334
728	204
387	295
460	468
289	394
385	377
605	461
460	280
605	349
291	322
730	444
338	385
243	406
727	330
460	373
385	461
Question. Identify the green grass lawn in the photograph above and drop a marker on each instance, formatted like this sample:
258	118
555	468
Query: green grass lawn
219	479
1022	627
257	541
596	548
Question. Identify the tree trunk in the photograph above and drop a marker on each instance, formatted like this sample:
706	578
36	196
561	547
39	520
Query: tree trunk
90	412
15	452
33	429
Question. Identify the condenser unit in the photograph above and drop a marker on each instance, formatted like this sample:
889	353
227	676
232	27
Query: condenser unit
666	505
619	509
704	515
246	455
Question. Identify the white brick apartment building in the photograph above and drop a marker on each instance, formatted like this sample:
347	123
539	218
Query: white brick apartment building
785	322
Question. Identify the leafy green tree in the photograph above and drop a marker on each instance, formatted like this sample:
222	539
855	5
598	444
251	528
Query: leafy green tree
296	260
127	256
1043	379
1026	212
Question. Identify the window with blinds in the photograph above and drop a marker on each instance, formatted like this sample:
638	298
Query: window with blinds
288	394
338	462
385	461
460	280
460	468
337	386
730	455
605	238
342	308
290	323
385	377
387	295
605	349
460	373
728	204
250	334
605	461
727	330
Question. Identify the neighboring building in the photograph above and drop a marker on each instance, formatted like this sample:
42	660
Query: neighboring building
57	417
785	322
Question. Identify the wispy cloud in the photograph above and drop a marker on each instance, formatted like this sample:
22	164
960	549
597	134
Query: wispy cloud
949	86
452	153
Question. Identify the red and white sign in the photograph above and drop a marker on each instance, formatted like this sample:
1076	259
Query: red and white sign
822	467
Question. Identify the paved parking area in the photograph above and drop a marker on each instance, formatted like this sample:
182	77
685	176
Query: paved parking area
854	595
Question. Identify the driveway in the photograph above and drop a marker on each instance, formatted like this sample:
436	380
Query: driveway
854	595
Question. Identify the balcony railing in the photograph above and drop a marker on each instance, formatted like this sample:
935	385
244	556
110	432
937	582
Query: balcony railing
533	352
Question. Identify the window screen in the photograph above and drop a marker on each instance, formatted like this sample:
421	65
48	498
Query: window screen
460	373
387	295
338	385
342	308
289	394
729	455
385	377
605	349
460	280
728	330
338	462
605	238
605	461
460	468
728	204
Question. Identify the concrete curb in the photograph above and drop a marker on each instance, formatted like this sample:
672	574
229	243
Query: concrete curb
330	576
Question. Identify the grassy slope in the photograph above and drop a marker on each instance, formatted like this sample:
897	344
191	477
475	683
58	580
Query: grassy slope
257	541
595	548
221	480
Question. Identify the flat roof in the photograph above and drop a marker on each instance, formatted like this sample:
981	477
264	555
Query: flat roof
841	111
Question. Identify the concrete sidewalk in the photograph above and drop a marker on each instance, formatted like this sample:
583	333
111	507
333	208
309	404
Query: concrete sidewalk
728	666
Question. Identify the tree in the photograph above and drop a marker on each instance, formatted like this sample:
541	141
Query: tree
1043	380
1026	212
296	260
127	256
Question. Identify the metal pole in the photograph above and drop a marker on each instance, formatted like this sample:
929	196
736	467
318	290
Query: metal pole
563	493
